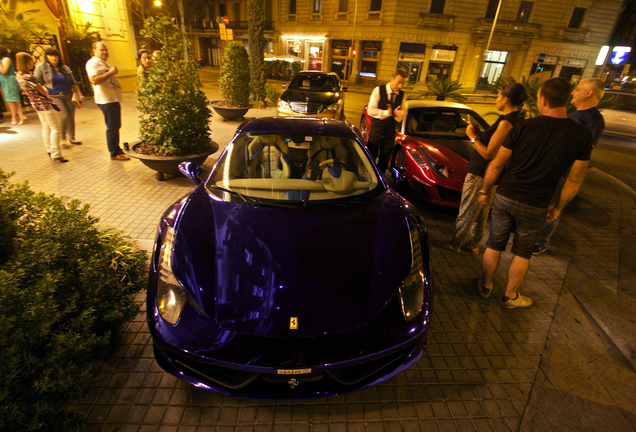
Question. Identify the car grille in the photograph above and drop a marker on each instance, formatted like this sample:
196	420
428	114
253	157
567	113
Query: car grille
306	107
446	194
341	380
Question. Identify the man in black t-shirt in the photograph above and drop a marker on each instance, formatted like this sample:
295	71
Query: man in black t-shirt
538	152
585	98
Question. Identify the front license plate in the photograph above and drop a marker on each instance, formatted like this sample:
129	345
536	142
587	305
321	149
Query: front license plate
294	371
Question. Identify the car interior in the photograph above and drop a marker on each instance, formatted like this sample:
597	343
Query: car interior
444	122
294	167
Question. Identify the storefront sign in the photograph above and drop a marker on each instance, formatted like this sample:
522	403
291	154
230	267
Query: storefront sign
446	56
547	60
297	46
575	63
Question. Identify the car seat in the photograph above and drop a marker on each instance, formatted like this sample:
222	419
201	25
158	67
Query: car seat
268	158
324	148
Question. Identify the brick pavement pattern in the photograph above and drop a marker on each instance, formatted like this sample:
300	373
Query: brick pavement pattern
481	363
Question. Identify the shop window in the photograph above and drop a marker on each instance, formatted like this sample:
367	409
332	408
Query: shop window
376	6
494	62
292	7
437	6
491	10
370	56
524	11
577	17
340	62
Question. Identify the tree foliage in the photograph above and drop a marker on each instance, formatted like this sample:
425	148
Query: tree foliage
65	291
17	29
175	112
442	89
234	79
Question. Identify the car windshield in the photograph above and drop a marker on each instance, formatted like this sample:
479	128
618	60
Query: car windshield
310	82
292	167
447	123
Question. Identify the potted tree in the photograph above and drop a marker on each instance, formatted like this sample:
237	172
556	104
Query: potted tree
175	115
234	83
443	89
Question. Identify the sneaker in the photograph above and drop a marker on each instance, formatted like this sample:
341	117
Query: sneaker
483	291
538	250
448	246
520	301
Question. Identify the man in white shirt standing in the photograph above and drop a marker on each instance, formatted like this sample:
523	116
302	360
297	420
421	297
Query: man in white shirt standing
384	109
107	96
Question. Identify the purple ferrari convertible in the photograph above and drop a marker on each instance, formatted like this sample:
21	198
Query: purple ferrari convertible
293	271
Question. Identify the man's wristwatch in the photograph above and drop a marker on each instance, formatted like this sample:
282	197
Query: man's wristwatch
472	140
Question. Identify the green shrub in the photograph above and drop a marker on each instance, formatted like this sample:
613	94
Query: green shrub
64	294
295	68
272	95
175	113
7	233
234	81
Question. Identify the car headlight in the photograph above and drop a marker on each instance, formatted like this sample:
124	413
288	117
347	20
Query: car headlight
332	108
282	105
425	161
171	297
412	289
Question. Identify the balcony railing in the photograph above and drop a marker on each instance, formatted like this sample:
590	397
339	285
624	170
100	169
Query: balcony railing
435	20
581	35
234	25
509	27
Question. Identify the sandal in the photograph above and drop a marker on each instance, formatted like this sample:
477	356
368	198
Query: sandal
472	250
483	291
448	246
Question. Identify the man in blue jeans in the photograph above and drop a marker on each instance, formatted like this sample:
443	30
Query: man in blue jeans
538	152
107	96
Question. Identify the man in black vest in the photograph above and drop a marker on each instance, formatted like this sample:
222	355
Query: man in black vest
384	109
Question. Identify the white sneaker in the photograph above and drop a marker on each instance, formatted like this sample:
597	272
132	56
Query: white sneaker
520	301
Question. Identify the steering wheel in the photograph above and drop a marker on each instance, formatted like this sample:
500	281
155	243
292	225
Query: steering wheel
333	162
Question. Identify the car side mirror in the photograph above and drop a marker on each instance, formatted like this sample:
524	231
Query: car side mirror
399	175
191	170
285	86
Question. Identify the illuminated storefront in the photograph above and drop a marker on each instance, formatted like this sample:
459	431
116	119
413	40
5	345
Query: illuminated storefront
308	50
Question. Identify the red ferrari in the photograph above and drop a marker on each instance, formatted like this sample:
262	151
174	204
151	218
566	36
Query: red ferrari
431	143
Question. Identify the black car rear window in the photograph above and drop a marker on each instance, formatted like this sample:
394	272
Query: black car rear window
314	83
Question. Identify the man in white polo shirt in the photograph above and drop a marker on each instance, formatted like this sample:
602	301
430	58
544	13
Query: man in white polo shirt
107	96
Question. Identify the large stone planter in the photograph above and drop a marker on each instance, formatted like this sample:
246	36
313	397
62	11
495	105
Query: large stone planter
168	165
230	113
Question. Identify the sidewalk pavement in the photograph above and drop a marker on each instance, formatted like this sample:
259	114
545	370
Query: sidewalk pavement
566	363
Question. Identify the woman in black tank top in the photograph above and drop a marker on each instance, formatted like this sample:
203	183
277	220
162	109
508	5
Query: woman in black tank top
471	221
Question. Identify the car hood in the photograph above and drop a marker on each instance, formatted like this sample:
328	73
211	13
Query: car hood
292	272
462	148
314	96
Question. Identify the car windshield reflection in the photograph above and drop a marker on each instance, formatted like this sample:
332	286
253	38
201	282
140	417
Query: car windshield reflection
314	82
288	168
447	123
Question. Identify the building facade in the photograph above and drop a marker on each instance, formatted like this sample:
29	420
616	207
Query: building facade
366	40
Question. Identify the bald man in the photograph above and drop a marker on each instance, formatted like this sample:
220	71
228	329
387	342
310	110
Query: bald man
585	97
107	96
